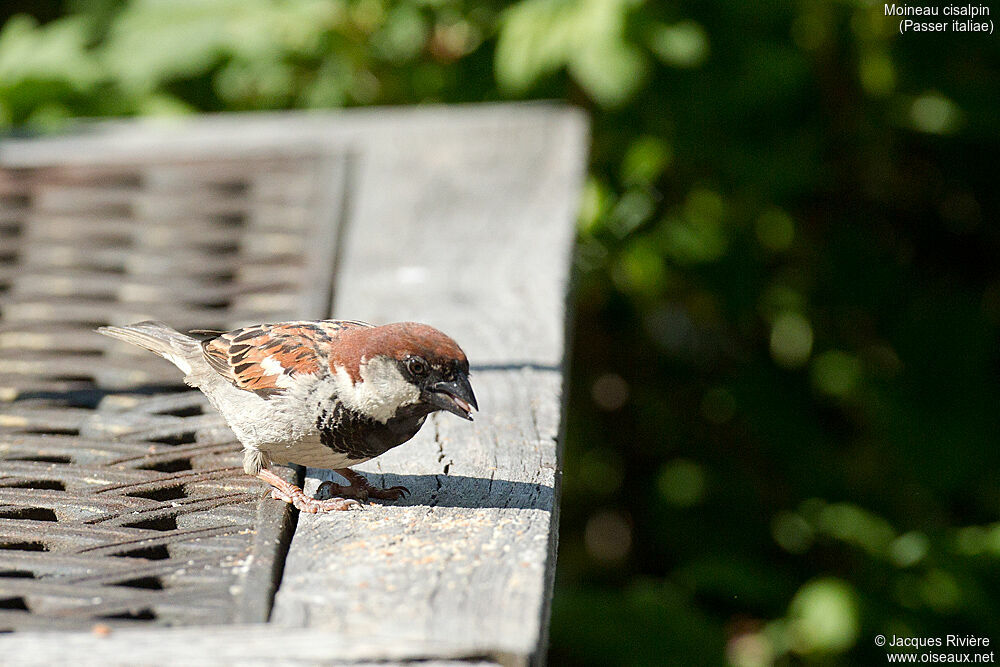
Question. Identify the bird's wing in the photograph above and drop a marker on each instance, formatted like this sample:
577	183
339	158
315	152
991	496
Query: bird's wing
262	357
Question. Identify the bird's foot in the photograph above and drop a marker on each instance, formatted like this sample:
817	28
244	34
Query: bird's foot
329	489
304	503
293	495
359	488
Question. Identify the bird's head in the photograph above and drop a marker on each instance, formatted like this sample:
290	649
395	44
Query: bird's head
403	365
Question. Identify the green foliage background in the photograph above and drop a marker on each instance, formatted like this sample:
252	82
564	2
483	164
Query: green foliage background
784	412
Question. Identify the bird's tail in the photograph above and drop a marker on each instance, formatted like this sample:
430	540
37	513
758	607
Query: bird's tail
159	338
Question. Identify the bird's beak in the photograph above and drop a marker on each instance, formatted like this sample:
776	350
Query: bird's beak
455	397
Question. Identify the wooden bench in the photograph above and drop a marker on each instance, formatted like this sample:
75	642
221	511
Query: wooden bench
459	217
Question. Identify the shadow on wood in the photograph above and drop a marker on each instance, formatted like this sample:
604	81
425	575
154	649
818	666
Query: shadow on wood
461	491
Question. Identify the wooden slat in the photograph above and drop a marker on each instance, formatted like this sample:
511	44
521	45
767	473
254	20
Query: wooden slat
226	645
468	228
462	218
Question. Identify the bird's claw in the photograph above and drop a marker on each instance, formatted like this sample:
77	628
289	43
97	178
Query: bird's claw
361	490
392	493
304	503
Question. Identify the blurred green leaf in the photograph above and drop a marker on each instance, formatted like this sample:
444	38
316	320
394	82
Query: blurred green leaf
153	41
402	36
684	44
53	52
640	269
697	234
538	37
646	159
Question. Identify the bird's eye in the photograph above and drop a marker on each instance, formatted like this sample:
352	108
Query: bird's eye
417	366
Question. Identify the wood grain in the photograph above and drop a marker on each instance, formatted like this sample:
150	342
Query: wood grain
469	228
458	217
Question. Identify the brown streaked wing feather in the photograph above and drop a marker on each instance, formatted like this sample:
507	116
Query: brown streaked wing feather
255	358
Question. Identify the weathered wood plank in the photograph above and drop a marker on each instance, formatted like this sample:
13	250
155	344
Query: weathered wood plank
468	228
232	646
461	218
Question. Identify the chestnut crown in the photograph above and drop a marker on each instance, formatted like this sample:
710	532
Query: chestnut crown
424	357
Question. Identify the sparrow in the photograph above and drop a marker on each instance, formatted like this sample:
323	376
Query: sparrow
327	394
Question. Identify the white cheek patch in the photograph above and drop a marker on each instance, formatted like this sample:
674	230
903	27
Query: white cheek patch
382	391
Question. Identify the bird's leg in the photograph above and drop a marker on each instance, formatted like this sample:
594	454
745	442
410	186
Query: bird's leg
359	488
293	495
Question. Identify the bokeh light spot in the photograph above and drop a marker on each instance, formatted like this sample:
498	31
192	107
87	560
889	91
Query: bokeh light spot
601	470
935	114
682	483
824	617
835	373
883	361
683	44
594	205
704	204
645	160
780	298
633	208
991	538
877	73
775	230
610	391
752	649
452	40
791	340
852	524
368	15
640	269
697	234
792	532
671	329
608	536
970	540
909	549
940	591
402	36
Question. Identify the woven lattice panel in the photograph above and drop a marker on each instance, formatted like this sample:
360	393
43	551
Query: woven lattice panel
122	499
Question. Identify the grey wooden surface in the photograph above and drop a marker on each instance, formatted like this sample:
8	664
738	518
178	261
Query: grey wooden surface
462	218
